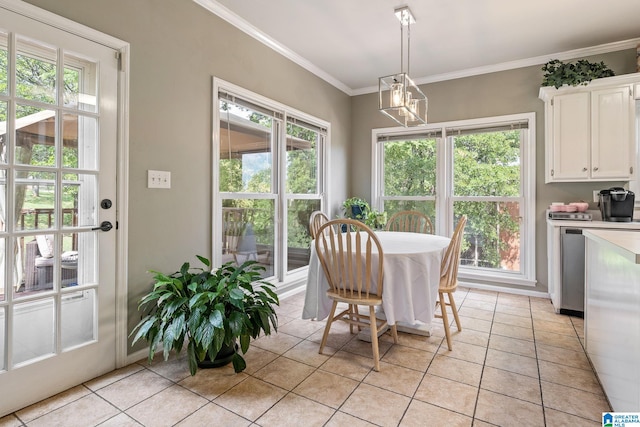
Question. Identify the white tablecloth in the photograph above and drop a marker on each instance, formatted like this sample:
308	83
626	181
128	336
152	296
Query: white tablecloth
411	278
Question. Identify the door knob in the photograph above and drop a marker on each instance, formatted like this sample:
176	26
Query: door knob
104	226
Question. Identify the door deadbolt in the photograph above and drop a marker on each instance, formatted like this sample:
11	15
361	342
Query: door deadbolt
106	204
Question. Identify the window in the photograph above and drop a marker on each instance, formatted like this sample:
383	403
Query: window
482	168
268	159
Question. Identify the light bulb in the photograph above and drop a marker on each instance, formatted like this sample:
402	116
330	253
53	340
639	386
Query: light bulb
414	106
396	94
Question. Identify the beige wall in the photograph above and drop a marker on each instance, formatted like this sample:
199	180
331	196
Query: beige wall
176	48
507	92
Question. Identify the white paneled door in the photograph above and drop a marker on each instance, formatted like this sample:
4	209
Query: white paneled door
58	139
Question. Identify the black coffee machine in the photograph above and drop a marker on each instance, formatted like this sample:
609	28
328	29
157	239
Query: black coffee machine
616	204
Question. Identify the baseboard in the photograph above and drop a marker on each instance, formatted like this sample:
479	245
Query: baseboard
137	356
505	290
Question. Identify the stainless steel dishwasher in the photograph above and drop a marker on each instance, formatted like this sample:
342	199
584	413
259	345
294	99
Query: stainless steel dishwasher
572	253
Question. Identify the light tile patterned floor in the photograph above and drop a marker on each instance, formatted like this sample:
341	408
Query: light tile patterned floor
516	362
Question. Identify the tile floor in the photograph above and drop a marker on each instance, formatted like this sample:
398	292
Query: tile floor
515	363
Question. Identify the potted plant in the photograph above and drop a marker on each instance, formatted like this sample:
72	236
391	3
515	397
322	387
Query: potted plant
356	208
557	73
209	310
376	220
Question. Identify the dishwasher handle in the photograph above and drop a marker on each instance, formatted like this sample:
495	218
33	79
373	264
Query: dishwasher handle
573	230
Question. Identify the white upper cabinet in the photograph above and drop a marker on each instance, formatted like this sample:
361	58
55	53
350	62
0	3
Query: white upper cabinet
589	131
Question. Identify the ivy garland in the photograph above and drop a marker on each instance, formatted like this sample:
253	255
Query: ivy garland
558	73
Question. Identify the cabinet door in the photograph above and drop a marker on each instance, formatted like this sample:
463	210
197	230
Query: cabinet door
571	137
611	139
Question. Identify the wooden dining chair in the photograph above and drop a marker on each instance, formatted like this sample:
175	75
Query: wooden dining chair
449	280
354	271
412	221
316	219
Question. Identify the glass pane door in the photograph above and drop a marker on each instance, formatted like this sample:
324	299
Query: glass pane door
57	161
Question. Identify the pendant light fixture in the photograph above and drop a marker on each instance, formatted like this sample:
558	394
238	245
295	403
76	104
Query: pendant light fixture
399	97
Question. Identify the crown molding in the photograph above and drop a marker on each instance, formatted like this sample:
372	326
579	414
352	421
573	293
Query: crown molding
512	65
224	13
216	8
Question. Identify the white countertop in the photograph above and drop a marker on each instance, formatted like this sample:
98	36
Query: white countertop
634	225
627	243
596	223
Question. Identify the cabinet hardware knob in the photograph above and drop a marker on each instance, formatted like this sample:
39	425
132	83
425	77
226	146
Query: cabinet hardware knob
584	169
595	169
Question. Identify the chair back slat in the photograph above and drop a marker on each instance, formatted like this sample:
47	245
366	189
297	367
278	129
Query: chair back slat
451	259
412	221
347	250
316	220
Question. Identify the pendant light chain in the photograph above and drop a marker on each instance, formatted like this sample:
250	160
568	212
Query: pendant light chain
402	47
408	45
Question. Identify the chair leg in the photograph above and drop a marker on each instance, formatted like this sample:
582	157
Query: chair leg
454	309
394	333
351	317
328	326
374	338
445	319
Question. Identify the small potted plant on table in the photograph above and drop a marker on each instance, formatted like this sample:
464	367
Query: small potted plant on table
356	208
209	310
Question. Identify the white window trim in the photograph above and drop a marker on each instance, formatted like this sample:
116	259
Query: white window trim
526	277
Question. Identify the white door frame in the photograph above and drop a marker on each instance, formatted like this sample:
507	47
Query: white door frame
122	172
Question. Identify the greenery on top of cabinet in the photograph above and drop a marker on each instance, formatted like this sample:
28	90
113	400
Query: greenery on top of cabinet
557	73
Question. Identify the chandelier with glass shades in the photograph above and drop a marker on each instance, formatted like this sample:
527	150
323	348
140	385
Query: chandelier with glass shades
399	97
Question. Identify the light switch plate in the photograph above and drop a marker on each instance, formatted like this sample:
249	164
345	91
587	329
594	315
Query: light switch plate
158	179
595	195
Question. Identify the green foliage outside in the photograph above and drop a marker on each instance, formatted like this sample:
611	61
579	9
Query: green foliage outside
485	165
36	81
410	170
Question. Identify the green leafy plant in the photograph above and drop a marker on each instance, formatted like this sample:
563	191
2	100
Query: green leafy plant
207	309
558	73
376	220
356	208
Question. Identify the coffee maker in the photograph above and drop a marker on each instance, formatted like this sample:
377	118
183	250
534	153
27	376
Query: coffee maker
616	204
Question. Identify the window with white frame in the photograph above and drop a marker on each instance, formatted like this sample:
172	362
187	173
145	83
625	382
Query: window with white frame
481	168
268	179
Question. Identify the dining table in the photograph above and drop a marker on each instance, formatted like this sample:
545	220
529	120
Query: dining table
411	269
